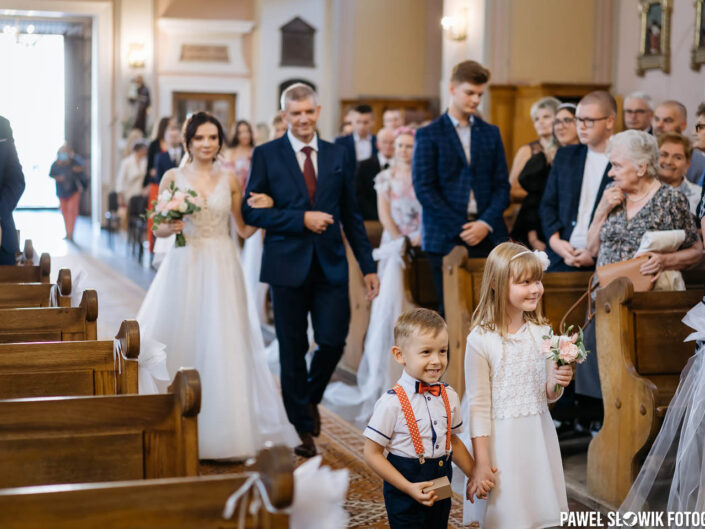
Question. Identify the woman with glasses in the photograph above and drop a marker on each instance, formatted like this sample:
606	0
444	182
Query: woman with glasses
532	179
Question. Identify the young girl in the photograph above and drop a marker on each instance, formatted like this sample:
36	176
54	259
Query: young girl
509	384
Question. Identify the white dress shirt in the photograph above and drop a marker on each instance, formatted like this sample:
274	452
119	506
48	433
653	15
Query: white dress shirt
130	176
298	145
465	136
363	147
692	192
595	165
387	427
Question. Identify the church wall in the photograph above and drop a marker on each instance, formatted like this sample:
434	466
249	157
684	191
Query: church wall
683	83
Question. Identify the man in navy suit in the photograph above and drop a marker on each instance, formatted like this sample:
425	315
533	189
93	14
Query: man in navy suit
304	257
11	189
575	185
460	176
171	158
361	144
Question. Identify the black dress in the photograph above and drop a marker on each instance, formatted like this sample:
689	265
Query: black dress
533	179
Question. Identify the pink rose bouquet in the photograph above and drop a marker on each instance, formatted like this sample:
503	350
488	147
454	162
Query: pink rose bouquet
174	204
564	349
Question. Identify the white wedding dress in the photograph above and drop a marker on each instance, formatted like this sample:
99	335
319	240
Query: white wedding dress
198	306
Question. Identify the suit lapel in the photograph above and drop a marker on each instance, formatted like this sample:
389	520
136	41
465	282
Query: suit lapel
292	164
603	184
455	140
577	179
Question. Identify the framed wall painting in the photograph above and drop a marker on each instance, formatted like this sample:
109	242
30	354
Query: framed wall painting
697	55
655	35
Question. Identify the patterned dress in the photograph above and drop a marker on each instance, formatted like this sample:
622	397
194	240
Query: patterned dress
404	207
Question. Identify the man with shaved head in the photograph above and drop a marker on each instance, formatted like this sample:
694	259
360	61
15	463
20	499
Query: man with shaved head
368	169
672	116
575	184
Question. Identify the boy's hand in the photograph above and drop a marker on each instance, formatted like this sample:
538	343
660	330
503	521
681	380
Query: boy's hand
415	490
472	491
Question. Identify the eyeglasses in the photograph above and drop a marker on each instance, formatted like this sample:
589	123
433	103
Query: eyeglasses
589	122
699	127
565	122
638	111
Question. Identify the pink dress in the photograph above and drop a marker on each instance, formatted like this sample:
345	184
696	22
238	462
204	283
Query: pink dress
403	204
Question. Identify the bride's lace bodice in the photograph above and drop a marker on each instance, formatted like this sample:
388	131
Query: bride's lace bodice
519	382
213	219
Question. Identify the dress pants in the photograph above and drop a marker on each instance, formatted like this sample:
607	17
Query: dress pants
403	511
6	258
435	261
329	306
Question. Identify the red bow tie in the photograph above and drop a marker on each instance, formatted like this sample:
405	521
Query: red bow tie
434	390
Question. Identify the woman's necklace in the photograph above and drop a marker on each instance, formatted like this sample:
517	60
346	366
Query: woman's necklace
642	197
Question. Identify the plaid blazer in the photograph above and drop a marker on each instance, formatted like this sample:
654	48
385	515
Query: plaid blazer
443	180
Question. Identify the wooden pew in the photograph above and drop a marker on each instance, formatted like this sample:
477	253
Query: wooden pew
110	438
176	503
51	324
26	295
462	280
71	368
641	354
27	273
26	256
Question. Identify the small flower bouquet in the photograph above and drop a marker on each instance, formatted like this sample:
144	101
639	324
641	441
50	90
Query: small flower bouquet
567	348
174	204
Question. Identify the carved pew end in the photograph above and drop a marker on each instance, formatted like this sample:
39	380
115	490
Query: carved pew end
187	387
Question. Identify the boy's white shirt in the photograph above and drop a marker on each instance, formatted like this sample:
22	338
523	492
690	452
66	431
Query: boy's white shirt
388	428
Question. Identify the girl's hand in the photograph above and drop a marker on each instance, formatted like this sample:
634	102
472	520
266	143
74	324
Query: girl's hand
558	375
415	490
481	482
260	201
166	229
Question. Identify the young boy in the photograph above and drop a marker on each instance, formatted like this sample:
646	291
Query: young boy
422	452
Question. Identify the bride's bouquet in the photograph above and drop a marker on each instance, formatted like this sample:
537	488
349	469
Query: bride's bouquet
174	204
564	349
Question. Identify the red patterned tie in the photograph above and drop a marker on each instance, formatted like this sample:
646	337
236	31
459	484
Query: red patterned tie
309	173
433	390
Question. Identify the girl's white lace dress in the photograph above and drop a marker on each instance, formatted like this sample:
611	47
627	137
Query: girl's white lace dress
198	306
506	388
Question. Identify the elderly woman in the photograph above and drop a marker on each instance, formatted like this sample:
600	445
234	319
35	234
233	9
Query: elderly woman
635	203
542	113
527	226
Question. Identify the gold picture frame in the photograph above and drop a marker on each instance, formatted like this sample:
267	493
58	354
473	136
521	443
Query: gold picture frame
697	55
655	45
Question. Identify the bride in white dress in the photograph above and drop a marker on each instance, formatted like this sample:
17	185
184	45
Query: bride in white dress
198	306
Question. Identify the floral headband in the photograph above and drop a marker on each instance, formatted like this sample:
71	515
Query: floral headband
542	257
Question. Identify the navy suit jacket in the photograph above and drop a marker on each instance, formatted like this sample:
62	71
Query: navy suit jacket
561	198
11	189
348	143
288	246
162	163
443	180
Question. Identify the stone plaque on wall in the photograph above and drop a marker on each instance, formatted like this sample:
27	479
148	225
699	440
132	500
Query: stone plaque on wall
297	43
204	53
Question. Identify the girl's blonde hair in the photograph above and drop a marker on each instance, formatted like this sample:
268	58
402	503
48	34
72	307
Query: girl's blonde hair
506	262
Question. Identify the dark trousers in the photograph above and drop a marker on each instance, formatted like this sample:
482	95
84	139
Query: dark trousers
329	306
403	511
435	261
6	258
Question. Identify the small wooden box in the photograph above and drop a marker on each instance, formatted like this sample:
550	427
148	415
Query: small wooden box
442	488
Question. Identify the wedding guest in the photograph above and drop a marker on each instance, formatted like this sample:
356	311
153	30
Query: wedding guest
575	184
11	188
239	153
638	111
368	169
134	136
262	135
527	226
699	136
460	176
172	156
131	173
278	128
69	172
672	116
149	184
360	145
675	152
542	113
635	203
392	119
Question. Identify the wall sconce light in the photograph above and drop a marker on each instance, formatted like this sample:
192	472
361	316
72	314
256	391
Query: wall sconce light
136	55
456	25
